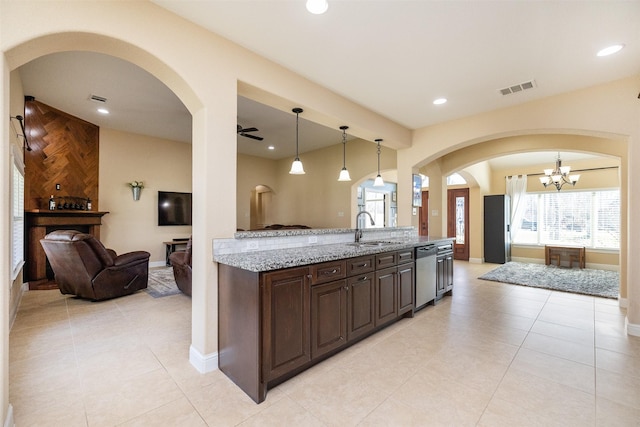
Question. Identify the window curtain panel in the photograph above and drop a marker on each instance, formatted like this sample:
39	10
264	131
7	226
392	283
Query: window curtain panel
516	190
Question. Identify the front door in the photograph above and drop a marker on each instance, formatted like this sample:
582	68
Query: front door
423	216
458	221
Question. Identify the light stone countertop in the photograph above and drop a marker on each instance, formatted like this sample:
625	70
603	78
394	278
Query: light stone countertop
269	260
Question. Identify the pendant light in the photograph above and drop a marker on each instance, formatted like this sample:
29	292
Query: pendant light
344	173
378	181
558	176
296	166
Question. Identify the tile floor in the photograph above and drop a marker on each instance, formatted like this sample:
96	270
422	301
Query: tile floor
491	355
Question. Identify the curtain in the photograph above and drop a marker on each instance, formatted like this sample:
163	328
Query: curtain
516	190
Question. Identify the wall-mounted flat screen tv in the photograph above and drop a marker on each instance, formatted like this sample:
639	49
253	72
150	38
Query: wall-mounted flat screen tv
174	208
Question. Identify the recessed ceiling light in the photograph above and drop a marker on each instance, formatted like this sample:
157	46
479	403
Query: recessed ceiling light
439	101
610	50
271	147
103	111
317	7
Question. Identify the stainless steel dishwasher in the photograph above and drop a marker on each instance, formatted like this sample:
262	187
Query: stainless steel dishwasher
425	275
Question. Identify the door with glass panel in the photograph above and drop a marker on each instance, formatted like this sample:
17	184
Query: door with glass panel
458	221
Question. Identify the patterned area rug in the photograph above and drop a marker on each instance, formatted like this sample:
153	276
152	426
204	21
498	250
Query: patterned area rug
161	282
600	283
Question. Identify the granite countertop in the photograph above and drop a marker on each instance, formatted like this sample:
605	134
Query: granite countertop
259	261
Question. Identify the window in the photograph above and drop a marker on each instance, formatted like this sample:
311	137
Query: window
455	179
375	204
17	214
584	218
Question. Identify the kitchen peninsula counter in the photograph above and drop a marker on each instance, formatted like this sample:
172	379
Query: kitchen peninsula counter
275	259
288	302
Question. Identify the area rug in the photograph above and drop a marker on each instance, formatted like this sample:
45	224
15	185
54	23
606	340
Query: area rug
161	282
600	283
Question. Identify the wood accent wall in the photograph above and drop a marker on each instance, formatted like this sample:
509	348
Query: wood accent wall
65	151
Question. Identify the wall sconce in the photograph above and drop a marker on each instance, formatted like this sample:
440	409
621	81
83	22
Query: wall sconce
24	133
136	189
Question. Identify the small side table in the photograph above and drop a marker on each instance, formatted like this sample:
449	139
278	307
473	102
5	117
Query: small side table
171	248
574	254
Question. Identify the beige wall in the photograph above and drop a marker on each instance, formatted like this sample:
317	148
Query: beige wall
162	165
316	199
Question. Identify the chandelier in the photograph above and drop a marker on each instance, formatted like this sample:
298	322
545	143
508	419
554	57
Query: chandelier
558	176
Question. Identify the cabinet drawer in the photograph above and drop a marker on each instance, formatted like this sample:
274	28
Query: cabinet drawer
360	265
405	255
387	259
328	271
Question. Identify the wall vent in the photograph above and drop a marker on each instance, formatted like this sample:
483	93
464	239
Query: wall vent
96	98
518	88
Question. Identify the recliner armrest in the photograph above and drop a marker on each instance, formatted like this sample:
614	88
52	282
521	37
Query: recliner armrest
131	257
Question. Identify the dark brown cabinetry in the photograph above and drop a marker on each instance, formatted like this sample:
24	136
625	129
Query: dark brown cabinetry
285	321
273	325
386	295
361	303
444	271
406	287
328	317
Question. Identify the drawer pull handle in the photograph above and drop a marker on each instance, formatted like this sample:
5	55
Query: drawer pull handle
362	279
362	265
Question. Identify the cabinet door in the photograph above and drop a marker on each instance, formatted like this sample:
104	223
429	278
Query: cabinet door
361	303
386	295
328	317
286	321
406	287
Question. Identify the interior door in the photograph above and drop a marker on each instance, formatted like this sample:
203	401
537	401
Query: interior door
458	221
423	214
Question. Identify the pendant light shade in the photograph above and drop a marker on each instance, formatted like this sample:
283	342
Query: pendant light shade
296	166
378	181
344	173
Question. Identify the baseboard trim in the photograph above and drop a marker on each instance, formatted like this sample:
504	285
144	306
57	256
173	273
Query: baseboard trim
527	260
632	328
157	263
9	421
203	363
623	302
475	260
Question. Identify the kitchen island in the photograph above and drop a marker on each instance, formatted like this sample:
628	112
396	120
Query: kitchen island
284	310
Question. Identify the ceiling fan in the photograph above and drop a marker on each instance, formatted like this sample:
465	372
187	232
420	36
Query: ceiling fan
245	132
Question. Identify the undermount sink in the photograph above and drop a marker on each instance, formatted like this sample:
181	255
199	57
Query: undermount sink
372	243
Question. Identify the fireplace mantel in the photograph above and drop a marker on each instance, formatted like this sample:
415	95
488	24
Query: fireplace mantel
39	223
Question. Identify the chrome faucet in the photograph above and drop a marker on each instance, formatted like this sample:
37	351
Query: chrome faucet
358	230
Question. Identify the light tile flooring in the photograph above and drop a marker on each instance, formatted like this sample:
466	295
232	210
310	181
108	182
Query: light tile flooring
491	355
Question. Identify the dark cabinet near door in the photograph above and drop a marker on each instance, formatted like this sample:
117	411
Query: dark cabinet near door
497	244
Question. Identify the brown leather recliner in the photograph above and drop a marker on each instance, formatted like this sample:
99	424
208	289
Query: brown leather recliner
84	267
181	262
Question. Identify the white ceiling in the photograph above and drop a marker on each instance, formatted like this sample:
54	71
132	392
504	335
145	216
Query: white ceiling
391	56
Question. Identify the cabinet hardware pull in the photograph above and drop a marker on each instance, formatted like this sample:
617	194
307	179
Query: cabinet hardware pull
362	279
362	265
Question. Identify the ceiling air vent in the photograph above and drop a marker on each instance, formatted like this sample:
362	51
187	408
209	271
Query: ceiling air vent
96	98
518	88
